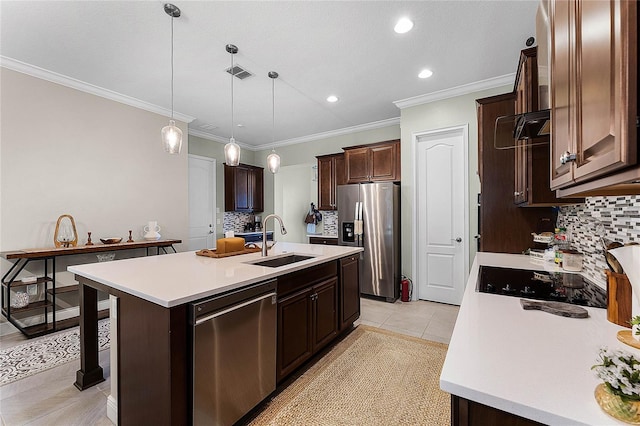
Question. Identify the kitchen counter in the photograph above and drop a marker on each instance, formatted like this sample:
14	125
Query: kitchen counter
153	322
322	236
529	363
174	279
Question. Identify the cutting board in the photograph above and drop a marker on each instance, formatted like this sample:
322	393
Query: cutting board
556	308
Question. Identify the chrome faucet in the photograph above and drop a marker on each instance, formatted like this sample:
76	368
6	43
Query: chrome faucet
283	231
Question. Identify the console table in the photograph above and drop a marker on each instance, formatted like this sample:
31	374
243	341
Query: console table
48	305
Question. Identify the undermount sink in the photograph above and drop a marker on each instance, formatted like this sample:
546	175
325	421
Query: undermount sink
282	260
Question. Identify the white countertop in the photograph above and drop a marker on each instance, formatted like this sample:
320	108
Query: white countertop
173	279
530	363
322	236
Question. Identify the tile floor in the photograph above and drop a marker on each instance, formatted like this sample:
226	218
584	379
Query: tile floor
49	398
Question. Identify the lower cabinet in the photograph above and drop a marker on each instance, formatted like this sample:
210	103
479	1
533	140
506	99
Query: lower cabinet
349	291
314	305
465	412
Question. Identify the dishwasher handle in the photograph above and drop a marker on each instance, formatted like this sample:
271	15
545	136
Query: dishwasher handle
238	306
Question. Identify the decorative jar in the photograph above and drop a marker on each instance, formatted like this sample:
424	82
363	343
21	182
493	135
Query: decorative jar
616	406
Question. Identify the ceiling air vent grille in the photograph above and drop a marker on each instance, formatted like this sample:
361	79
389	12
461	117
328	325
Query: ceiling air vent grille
239	72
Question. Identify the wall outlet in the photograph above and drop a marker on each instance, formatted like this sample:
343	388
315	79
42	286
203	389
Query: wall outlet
32	290
218	221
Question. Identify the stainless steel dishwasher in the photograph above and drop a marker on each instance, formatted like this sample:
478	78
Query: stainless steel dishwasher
234	353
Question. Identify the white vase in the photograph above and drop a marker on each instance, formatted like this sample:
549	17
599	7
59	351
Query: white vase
151	231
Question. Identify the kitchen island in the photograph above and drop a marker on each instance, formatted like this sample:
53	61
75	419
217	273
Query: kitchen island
507	363
153	341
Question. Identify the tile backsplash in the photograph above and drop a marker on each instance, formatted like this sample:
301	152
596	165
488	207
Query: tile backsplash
235	221
614	218
330	222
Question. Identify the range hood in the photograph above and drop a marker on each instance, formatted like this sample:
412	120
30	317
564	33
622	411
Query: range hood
532	125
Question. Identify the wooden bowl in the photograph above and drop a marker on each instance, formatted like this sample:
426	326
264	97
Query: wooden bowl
110	240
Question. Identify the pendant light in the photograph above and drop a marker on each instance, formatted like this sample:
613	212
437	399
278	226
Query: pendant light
273	159
171	134
232	149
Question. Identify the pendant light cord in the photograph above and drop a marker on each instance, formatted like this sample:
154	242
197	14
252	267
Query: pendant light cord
273	110
172	18
232	75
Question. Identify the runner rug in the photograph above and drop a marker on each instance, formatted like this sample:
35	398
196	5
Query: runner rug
372	377
42	353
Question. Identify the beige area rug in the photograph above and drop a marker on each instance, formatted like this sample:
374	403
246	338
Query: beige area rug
372	377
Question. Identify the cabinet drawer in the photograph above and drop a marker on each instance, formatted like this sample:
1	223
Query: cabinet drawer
306	277
323	240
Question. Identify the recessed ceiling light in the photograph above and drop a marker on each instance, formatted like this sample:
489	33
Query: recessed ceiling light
403	25
425	73
239	125
332	99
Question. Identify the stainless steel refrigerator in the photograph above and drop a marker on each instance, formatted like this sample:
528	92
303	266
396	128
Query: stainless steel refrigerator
369	217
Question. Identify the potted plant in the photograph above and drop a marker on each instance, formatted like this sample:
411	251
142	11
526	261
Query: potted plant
619	395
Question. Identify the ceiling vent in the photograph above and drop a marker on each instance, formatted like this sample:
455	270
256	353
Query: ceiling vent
239	72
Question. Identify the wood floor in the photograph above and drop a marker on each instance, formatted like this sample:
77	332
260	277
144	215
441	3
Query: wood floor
50	398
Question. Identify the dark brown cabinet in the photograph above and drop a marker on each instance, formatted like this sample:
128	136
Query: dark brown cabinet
331	173
504	227
465	412
593	94
243	188
324	299
295	344
307	321
307	315
372	163
314	305
349	291
532	163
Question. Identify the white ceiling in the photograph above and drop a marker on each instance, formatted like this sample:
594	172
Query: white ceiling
318	47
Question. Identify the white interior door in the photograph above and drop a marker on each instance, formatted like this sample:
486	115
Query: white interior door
202	202
441	215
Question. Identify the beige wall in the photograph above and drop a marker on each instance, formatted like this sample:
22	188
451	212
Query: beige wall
456	111
64	151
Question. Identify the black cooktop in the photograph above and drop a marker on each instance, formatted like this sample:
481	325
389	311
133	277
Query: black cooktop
541	285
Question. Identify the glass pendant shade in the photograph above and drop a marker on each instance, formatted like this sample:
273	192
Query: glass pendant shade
232	153
273	162
172	138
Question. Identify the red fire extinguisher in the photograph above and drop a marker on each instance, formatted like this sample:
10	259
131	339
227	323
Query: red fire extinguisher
406	289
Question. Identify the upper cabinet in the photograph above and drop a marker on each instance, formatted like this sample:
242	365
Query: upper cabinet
331	173
243	188
593	94
532	155
373	163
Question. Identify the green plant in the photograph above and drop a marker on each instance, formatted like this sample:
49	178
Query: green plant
620	371
635	321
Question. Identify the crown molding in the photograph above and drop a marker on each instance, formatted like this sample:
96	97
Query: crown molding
219	139
302	139
332	133
465	89
63	80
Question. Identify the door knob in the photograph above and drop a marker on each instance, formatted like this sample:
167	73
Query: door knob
458	240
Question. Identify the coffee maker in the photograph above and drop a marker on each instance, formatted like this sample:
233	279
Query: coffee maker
257	225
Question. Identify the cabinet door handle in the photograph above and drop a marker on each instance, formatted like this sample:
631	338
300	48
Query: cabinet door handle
567	157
